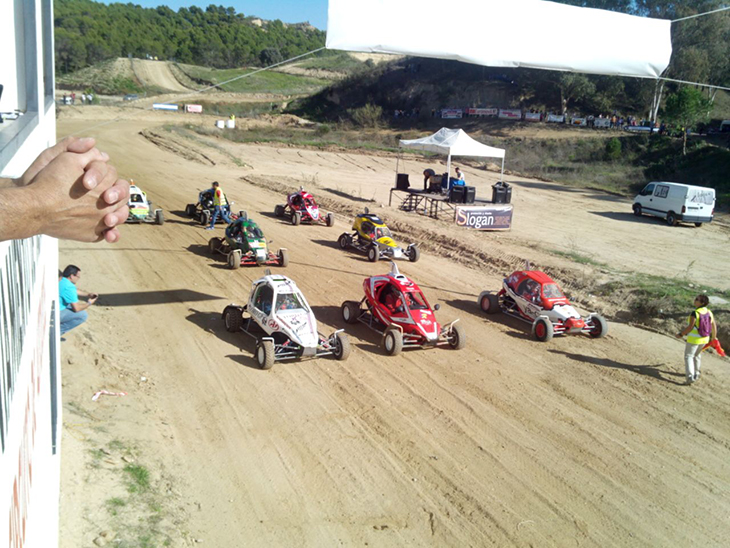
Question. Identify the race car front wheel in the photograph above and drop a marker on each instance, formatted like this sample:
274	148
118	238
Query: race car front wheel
600	326
265	353
283	257
330	219
393	341
373	254
413	253
234	259
342	347
542	329
457	337
279	210
296	218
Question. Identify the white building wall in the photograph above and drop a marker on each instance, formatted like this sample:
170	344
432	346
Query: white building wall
30	381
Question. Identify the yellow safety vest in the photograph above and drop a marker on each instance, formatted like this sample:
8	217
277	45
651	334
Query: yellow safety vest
694	335
219	198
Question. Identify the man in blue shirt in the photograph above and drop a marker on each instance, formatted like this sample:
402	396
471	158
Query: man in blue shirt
73	311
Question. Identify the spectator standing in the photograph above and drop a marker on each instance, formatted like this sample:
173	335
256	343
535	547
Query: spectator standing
220	202
73	311
701	329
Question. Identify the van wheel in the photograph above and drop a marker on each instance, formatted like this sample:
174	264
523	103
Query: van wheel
671	218
698	225
637	210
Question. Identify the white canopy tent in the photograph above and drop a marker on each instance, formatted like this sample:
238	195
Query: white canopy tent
453	142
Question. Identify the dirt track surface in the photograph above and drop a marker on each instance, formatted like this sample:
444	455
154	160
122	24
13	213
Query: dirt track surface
509	442
156	74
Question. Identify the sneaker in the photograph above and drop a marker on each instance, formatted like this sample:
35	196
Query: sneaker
208	228
689	380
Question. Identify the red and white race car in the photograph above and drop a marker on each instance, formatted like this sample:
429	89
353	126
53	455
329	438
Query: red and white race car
395	307
534	297
302	208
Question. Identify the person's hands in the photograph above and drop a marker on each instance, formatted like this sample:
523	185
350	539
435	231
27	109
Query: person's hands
69	144
92	300
68	209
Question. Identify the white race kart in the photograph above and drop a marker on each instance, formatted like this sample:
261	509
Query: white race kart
279	318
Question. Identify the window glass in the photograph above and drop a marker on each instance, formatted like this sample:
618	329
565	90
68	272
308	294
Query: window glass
552	291
289	301
264	297
416	301
661	191
648	190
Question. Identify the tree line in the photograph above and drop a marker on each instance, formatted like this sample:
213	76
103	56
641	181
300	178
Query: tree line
87	32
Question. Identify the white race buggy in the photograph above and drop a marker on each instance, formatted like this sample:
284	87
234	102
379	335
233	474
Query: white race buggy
279	318
140	208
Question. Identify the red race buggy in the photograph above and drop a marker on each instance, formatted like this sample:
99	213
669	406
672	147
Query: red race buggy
302	208
395	307
534	297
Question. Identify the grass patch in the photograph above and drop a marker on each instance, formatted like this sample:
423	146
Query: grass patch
138	478
578	258
260	82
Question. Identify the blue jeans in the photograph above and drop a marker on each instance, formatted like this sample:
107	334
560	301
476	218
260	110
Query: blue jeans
71	319
223	212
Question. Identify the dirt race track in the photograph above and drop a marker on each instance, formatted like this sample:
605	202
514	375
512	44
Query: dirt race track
509	442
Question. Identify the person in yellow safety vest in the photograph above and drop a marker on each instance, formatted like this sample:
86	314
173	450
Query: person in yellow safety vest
220	204
701	329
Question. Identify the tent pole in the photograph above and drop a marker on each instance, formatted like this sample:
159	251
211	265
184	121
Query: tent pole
501	177
448	170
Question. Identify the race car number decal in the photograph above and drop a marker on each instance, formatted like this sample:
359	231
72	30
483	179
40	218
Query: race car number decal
273	325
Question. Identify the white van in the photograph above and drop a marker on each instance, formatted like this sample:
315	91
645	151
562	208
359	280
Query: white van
676	202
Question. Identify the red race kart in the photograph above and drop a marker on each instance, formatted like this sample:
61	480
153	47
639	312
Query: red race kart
302	208
534	297
395	307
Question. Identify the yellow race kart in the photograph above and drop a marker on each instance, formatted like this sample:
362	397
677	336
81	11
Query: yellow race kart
371	236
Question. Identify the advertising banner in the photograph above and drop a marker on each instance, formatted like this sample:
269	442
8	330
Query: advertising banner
578	122
194	108
163	106
532	116
510	113
451	113
558	119
496	217
482	111
602	122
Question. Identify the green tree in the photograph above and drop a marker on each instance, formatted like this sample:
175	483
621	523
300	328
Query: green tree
686	108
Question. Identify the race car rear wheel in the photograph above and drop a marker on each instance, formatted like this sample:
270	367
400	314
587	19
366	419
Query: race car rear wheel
457	337
330	219
488	302
542	329
279	210
233	319
204	217
283	257
373	253
413	253
393	341
213	245
265	352
234	259
296	218
600	326
159	217
190	210
344	240
342	347
350	311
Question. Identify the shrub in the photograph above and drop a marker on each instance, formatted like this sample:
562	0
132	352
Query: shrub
613	149
368	116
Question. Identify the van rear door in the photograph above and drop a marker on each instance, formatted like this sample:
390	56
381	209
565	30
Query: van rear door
700	204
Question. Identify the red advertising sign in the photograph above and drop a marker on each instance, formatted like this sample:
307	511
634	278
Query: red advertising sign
510	113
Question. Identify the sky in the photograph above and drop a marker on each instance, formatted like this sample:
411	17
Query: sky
288	11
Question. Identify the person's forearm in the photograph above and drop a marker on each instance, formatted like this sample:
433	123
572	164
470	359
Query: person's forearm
82	293
20	214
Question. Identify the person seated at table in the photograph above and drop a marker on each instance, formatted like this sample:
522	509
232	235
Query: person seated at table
427	174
